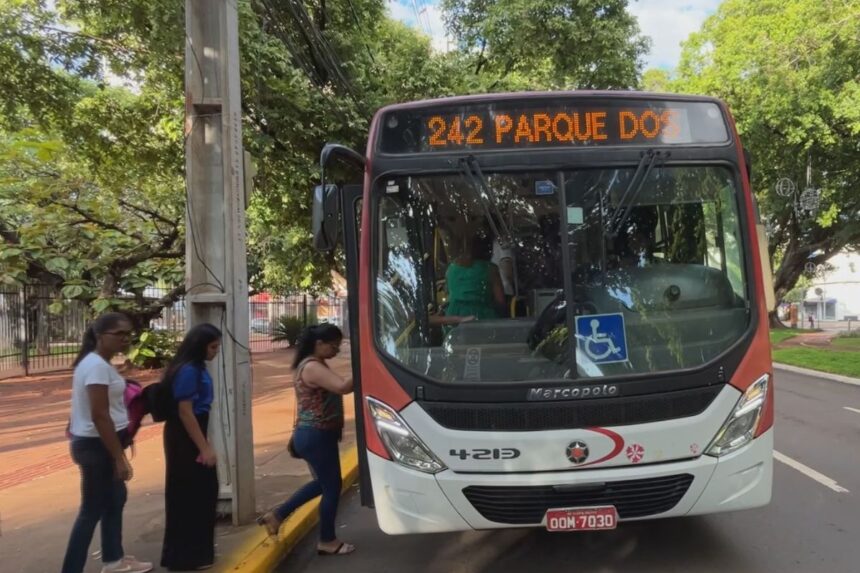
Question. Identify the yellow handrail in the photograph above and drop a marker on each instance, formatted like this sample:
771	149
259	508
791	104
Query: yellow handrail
406	332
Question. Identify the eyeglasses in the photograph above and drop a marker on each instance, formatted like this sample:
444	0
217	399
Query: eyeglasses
121	333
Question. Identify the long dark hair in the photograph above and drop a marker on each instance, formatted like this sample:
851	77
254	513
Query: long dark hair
308	338
193	349
102	324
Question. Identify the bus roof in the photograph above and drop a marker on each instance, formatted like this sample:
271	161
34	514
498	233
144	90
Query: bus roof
573	94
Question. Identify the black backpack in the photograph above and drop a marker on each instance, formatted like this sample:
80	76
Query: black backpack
160	401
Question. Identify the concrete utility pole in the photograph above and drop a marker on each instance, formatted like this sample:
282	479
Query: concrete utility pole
216	275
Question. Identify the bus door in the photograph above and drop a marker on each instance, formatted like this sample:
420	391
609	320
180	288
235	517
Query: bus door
351	205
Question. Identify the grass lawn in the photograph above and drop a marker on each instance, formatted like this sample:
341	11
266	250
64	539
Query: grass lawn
782	334
852	343
777	336
846	363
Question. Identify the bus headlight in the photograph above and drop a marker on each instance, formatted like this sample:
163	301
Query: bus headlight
402	444
741	425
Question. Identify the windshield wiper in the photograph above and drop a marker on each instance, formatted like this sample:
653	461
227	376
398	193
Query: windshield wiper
628	199
471	171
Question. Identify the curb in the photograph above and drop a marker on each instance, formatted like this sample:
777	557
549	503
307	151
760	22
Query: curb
263	553
818	374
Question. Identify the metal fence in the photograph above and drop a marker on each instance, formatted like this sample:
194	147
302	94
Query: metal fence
39	335
34	337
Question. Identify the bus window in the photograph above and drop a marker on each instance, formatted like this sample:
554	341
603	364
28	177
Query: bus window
429	259
673	269
397	277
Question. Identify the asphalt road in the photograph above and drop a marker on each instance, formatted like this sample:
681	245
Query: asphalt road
812	524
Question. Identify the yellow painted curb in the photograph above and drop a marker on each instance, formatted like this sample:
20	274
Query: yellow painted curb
263	553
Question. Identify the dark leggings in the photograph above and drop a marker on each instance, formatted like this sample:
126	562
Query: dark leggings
190	500
319	449
102	500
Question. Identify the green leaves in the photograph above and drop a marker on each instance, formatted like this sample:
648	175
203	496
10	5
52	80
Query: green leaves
154	349
91	173
549	44
57	264
72	291
789	72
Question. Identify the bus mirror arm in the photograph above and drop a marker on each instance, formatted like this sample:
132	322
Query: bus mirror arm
471	170
504	234
326	198
628	199
342	151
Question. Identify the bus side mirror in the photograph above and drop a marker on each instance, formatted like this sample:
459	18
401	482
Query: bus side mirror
325	217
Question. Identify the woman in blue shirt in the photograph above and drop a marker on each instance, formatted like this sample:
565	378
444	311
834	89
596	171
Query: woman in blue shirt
191	490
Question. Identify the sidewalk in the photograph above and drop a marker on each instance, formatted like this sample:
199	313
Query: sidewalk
811	339
39	493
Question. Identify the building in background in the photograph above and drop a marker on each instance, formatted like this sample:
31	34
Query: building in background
835	292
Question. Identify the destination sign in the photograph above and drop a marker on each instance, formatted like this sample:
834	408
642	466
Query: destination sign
538	124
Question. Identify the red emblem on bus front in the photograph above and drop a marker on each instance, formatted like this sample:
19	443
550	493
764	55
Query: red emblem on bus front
635	453
577	452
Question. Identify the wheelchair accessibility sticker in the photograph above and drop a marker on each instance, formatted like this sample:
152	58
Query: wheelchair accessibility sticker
602	338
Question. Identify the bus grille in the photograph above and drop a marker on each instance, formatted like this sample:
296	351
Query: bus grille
526	505
519	416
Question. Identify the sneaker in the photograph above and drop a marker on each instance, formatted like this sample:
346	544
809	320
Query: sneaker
128	564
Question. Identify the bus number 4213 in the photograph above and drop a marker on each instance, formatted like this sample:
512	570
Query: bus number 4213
486	454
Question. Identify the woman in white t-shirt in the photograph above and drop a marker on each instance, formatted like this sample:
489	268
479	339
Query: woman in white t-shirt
98	428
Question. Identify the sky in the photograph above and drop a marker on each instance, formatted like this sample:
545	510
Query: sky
666	22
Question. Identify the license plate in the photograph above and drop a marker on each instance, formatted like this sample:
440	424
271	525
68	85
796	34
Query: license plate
581	519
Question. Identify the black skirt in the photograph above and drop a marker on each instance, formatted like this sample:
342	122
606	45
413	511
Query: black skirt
191	497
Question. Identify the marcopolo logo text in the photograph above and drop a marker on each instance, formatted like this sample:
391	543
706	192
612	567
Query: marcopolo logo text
573	392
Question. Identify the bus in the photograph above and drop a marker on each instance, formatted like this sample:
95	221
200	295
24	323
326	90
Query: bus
558	311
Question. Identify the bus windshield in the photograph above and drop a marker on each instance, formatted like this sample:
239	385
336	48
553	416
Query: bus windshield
540	275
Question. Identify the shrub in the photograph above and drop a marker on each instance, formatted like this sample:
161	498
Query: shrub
288	328
153	348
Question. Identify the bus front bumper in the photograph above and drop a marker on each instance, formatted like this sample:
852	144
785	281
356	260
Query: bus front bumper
408	501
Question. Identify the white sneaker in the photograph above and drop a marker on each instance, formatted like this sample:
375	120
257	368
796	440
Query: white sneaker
128	564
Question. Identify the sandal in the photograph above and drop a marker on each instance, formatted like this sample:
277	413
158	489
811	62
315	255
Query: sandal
342	549
270	522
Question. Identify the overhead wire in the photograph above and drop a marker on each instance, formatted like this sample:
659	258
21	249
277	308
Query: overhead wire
359	25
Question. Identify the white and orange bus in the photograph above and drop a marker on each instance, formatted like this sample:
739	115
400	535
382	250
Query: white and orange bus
558	312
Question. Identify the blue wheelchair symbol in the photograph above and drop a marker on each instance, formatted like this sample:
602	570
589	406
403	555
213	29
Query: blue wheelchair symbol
602	337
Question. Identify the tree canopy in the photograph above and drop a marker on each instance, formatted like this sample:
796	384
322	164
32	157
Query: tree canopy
790	72
91	122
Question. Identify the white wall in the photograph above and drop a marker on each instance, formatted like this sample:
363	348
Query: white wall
841	284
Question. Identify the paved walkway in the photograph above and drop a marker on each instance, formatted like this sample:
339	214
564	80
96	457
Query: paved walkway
814	339
822	340
39	493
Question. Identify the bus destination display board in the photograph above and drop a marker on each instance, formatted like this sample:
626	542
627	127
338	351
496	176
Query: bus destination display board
550	124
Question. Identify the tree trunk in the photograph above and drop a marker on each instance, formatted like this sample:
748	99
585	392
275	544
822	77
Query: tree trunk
143	315
773	320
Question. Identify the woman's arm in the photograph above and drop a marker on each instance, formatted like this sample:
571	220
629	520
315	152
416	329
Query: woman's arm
315	374
497	287
189	421
100	412
442	320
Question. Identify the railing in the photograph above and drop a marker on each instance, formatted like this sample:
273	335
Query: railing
41	332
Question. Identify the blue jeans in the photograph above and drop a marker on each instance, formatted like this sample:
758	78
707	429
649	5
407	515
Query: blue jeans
319	449
102	500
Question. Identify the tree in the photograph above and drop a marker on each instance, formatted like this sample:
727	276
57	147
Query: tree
548	44
312	72
656	80
91	200
789	71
